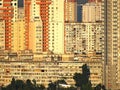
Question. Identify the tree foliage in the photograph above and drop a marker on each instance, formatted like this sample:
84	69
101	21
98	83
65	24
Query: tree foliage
82	80
100	87
21	85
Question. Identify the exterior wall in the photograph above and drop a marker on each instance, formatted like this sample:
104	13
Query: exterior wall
79	9
35	36
111	56
83	37
44	13
2	35
27	4
43	72
4	14
18	37
34	10
91	12
34	27
70	11
56	26
15	11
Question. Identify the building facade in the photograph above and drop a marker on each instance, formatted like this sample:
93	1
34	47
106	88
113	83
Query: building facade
2	35
6	10
70	10
111	39
83	37
91	12
44	72
56	26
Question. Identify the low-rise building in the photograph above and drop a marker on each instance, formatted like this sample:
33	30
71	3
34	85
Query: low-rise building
51	70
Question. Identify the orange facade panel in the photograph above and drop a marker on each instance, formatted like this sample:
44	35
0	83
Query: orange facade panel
48	2
7	0
6	4
4	8
27	21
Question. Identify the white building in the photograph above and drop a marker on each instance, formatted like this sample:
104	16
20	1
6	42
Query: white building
91	12
56	26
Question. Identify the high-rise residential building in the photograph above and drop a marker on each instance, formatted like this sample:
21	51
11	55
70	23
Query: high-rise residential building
35	33
2	35
18	39
56	26
83	38
70	10
6	13
91	12
79	9
34	26
49	26
35	36
111	18
44	13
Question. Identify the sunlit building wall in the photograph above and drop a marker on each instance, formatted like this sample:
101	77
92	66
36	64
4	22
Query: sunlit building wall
6	10
14	25
91	12
35	28
44	72
56	26
35	36
70	10
14	4
83	37
2	35
111	18
18	38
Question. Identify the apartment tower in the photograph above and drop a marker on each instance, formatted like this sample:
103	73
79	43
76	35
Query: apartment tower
6	14
70	10
44	13
56	26
91	12
111	18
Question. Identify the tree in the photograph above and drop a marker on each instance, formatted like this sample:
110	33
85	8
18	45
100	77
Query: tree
60	82
78	79
34	82
100	87
19	84
82	80
13	82
85	74
51	86
29	85
87	86
41	87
